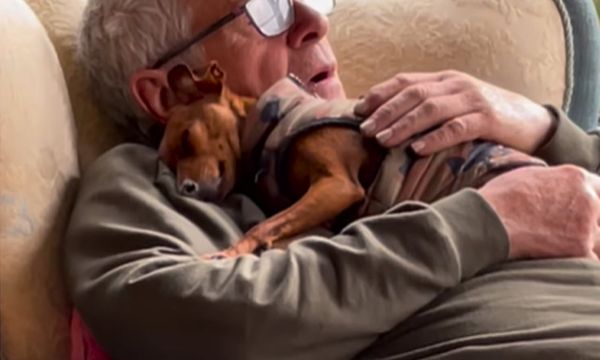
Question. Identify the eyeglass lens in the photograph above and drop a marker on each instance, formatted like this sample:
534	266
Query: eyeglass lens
273	17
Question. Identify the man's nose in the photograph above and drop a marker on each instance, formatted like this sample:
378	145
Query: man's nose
309	26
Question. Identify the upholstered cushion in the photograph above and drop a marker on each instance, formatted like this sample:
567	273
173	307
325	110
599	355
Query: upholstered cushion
38	166
61	18
515	44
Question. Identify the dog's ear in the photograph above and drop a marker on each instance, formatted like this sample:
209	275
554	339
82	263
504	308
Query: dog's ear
158	91
183	84
188	87
212	80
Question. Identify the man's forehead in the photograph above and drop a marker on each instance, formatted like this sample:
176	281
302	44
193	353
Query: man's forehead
207	12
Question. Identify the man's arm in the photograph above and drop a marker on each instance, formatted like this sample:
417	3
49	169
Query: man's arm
571	145
134	272
136	277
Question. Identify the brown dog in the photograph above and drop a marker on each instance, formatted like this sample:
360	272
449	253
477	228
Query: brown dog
201	143
308	159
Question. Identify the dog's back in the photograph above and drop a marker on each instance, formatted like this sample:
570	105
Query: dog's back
405	176
312	133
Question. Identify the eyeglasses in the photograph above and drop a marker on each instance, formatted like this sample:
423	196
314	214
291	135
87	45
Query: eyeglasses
270	17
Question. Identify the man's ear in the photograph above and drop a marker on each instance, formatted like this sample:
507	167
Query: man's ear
151	91
157	91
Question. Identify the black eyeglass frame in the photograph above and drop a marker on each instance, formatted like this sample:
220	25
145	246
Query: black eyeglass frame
202	34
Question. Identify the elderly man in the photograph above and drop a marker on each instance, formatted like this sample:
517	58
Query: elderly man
421	281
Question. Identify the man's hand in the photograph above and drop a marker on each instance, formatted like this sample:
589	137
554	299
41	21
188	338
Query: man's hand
548	212
463	107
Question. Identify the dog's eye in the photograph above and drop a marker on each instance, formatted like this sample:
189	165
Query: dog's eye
186	146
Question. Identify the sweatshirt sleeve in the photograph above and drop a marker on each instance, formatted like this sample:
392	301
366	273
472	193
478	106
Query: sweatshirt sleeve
571	145
136	278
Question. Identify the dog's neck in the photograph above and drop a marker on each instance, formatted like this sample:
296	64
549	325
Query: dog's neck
250	128
241	105
252	132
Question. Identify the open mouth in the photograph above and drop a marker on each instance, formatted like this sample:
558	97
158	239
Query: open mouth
321	82
323	75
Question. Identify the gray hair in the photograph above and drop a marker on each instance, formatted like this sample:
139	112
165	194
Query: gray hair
120	37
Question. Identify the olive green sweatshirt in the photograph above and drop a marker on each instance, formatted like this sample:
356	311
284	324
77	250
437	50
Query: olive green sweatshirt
413	283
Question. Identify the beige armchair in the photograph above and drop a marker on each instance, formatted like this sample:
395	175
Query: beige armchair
50	130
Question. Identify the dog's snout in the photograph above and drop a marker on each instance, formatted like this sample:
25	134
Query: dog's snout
204	191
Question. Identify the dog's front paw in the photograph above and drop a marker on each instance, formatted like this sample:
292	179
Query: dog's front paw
247	245
216	256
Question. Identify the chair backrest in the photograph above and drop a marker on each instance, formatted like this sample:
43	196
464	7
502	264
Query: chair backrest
583	34
521	45
95	133
38	162
536	48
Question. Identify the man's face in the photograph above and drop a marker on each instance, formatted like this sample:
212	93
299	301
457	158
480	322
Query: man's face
253	62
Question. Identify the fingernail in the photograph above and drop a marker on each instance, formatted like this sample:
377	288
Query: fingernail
361	107
384	136
368	127
417	146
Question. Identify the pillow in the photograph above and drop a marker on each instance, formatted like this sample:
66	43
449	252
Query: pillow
519	45
38	170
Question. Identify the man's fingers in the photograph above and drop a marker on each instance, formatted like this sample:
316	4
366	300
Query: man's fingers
423	117
383	92
408	99
398	106
456	131
593	181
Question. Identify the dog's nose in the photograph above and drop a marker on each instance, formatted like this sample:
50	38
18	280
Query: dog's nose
189	188
203	191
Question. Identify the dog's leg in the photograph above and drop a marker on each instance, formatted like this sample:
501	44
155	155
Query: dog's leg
325	199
